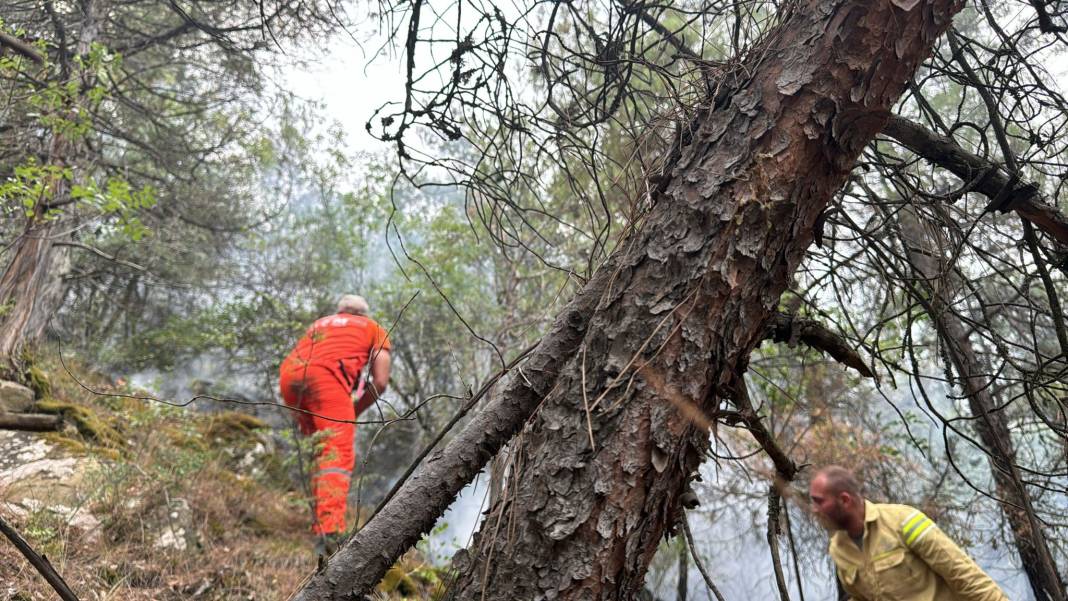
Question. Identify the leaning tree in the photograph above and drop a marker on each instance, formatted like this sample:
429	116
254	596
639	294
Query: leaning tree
611	412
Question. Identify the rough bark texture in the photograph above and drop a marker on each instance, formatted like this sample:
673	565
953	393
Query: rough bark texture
1005	192
362	561
691	299
30	290
936	290
665	327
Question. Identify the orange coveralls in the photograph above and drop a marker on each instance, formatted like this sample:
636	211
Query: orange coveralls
319	376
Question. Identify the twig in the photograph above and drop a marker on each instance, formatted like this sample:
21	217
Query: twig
696	559
456	418
40	562
586	403
96	251
793	551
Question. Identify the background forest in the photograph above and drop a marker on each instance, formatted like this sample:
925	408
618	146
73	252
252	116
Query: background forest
175	213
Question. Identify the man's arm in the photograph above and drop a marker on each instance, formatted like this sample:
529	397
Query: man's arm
964	577
380	364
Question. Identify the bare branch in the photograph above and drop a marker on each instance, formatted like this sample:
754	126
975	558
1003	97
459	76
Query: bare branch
697	559
17	45
1045	23
96	251
39	562
1024	198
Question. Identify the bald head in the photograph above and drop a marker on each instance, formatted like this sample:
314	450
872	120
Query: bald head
836	499
837	480
351	303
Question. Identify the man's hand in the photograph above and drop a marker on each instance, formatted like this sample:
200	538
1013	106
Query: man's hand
380	364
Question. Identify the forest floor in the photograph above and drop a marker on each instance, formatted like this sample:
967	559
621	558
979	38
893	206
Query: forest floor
136	499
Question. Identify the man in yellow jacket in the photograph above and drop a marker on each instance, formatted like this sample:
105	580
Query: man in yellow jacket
887	552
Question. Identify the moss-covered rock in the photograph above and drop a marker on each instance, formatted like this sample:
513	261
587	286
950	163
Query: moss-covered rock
39	382
89	424
233	426
14	397
77	446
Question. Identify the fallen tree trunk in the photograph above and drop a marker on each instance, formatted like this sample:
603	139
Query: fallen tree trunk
665	327
32	422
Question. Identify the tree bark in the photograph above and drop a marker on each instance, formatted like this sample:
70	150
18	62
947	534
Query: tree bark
28	290
665	328
937	294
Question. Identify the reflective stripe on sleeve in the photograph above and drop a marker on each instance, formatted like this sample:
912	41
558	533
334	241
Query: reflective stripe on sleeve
920	532
334	470
914	527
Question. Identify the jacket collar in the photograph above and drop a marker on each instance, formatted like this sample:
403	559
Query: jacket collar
871	513
843	549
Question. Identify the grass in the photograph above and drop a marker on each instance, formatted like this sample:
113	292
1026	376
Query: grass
214	479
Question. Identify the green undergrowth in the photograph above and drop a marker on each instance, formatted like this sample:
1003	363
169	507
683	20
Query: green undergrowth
188	504
184	504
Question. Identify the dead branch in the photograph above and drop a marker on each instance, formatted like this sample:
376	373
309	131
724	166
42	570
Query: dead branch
697	560
1045	23
1005	190
773	541
785	467
20	47
31	422
40	562
788	328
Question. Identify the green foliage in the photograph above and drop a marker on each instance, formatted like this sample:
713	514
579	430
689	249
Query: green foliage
31	185
66	107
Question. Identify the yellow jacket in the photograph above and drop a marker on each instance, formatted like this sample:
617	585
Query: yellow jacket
907	558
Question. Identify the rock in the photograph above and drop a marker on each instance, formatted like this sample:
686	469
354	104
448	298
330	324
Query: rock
176	529
39	479
77	517
15	398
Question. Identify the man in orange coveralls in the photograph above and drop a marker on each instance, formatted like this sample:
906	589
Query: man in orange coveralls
319	376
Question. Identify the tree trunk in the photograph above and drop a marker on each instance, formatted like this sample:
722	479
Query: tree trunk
936	289
676	312
31	286
30	291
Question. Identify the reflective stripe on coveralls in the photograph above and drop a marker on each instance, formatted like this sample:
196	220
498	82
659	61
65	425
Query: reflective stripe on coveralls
322	393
